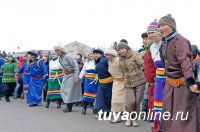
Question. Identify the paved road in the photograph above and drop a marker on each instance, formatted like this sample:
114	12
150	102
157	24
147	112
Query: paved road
16	116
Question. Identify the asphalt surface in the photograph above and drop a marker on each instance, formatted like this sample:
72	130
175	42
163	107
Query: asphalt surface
16	116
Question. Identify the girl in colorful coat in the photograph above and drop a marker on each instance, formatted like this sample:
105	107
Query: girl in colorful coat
55	81
8	79
90	82
104	92
160	80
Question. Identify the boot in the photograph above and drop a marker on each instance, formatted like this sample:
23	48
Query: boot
47	103
68	108
59	104
0	98
7	99
83	111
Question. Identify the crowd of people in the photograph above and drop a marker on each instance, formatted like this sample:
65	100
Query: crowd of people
163	76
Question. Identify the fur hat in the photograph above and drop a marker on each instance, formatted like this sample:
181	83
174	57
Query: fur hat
60	47
111	52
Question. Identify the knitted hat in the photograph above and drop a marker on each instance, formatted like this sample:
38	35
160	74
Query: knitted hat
98	51
123	45
111	52
124	40
153	27
168	20
60	47
144	35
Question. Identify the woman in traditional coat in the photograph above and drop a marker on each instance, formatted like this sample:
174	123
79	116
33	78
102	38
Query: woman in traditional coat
90	84
118	90
71	90
180	92
8	79
55	81
104	92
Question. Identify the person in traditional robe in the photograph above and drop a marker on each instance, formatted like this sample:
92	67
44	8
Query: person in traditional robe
71	90
90	83
180	92
55	81
39	74
24	71
104	92
118	89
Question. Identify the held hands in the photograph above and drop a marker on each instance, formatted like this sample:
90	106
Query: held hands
77	80
194	88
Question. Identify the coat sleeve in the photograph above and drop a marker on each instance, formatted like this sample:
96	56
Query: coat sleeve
44	69
83	71
184	57
138	59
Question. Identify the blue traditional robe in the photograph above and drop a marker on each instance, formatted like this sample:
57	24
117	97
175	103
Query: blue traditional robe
104	92
26	78
38	75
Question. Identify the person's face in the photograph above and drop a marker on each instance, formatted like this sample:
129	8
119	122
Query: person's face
165	30
10	59
30	57
110	57
146	41
59	52
53	56
97	56
78	57
122	51
155	37
91	56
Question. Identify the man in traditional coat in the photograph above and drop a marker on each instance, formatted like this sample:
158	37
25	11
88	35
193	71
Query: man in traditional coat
71	86
180	92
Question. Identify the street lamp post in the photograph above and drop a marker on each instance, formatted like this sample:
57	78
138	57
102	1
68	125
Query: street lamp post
18	48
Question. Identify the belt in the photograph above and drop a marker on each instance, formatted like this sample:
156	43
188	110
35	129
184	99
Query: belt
119	79
37	77
176	82
68	72
106	80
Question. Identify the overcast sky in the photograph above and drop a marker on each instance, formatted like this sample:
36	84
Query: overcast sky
40	24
